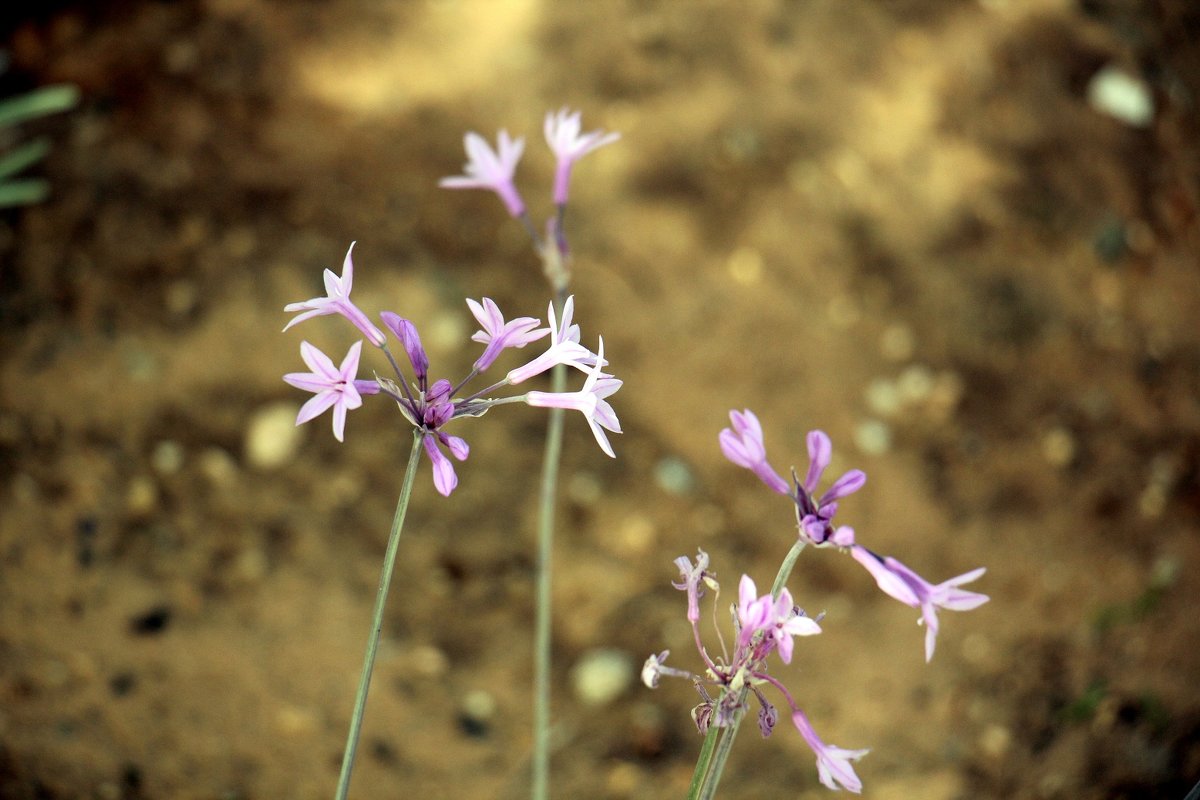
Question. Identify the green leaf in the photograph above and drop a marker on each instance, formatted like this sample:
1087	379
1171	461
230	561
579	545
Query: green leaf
23	156
23	193
38	103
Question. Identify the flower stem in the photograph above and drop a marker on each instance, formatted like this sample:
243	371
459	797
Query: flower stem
540	787
385	581
711	762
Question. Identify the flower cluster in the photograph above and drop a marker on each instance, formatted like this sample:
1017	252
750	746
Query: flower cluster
764	624
494	170
429	406
742	444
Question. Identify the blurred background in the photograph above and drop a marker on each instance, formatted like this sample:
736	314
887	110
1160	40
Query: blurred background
960	236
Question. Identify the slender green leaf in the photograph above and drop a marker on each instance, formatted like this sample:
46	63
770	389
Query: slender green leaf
23	193
38	103
22	157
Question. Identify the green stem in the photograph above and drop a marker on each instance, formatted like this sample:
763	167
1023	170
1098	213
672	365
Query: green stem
385	581
711	762
540	785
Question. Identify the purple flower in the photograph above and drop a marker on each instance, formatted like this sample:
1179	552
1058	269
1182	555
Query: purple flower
815	516
487	170
900	582
332	386
498	334
564	348
692	577
777	617
562	134
406	332
337	301
833	763
590	400
444	477
743	445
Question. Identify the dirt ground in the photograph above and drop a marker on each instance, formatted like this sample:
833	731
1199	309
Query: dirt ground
907	223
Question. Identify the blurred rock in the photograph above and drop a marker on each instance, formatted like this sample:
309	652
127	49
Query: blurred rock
1118	94
272	436
601	676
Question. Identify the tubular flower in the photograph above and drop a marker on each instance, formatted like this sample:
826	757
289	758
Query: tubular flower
487	169
562	134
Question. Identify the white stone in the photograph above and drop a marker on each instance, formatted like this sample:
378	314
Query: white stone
272	436
1115	92
601	676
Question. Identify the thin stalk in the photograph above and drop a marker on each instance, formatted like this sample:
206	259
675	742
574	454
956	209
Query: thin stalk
540	784
708	770
385	581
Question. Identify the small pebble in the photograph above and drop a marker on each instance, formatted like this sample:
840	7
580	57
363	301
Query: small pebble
673	476
882	397
995	741
873	437
1058	447
601	676
1114	92
635	536
167	457
428	661
219	467
142	496
915	383
897	342
479	705
745	266
272	436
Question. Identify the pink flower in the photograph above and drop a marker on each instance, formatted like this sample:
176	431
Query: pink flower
833	763
337	301
334	387
562	134
445	480
499	335
487	170
777	617
900	582
743	445
590	400
564	348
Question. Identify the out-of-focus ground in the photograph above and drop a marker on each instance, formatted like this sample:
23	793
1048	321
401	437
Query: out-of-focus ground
907	223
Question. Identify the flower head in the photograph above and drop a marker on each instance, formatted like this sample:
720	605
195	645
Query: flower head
485	169
776	617
833	763
692	577
900	582
815	515
337	301
743	445
332	386
499	335
562	134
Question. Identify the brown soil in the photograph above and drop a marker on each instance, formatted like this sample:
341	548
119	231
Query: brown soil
900	221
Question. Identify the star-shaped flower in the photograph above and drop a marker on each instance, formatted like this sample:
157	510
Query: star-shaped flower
900	582
337	301
499	335
562	134
332	386
590	400
485	169
833	763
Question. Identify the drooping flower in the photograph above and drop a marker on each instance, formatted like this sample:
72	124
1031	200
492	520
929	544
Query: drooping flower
590	401
485	169
332	386
499	335
445	479
833	763
743	445
562	134
900	582
337	301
